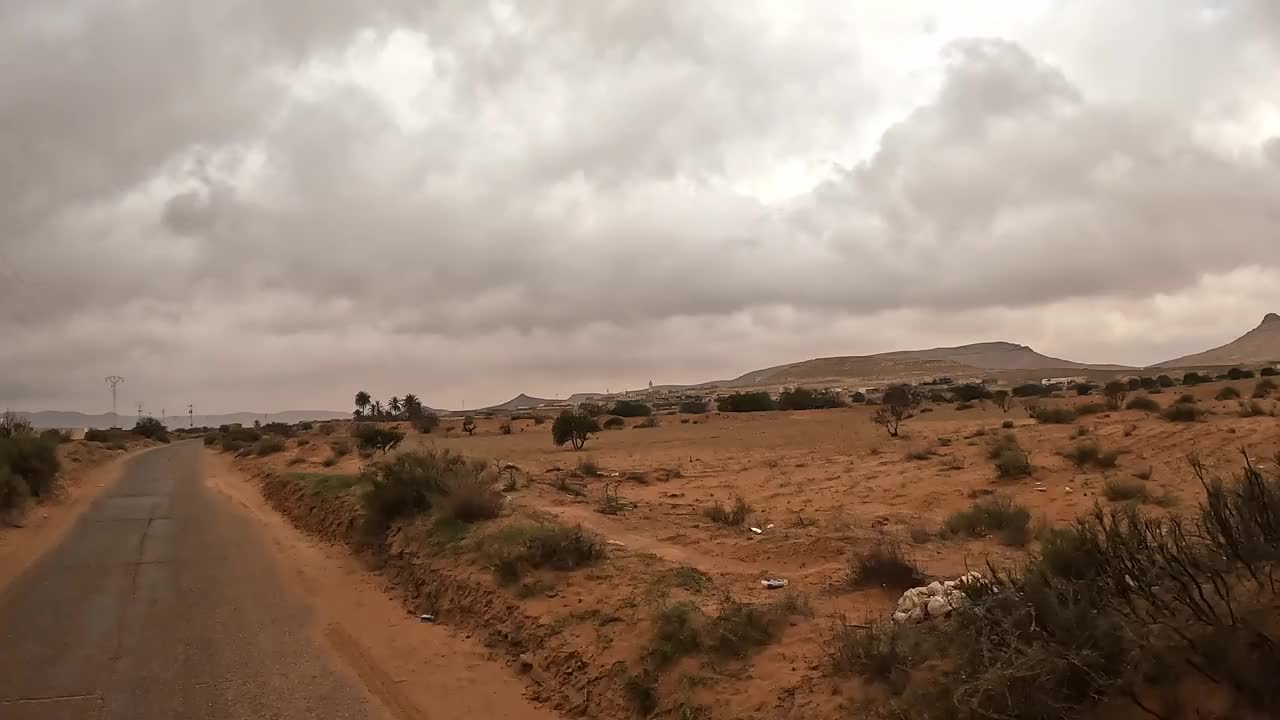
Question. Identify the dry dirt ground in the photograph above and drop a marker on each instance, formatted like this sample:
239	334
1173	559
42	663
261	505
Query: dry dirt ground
821	484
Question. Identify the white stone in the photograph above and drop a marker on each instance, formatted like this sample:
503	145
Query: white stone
935	588
938	607
900	617
916	615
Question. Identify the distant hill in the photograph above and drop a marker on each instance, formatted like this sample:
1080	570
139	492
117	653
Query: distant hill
1259	345
964	360
61	419
521	401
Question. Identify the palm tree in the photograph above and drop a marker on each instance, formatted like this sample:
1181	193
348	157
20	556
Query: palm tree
363	400
412	406
377	410
394	406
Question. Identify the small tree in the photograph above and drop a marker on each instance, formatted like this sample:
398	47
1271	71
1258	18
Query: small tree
1003	399
1116	392
574	428
152	429
425	423
394	405
469	425
1165	381
363	401
631	408
898	405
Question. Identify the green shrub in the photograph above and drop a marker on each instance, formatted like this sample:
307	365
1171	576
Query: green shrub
1145	403
675	633
1090	409
740	628
1239	374
631	408
340	448
426	423
1268	372
14	492
473	497
1187	398
805	399
152	429
1263	389
211	439
746	402
1195	378
1227	393
1165	381
733	516
407	485
269	445
574	428
1010	459
1089	453
990	515
693	407
31	459
885	564
1182	412
559	547
614	423
1007	424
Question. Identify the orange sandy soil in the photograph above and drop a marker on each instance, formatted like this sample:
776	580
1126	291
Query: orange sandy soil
829	482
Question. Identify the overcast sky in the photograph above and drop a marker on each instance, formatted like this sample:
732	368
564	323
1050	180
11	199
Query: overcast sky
257	205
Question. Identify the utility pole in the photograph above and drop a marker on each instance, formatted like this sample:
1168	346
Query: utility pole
139	411
161	416
113	381
191	417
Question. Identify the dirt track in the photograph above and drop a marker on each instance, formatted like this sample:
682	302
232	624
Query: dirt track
170	599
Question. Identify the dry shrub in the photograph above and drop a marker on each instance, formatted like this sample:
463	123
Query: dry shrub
732	516
884	564
1053	416
1120	489
1227	393
1145	403
1010	459
996	514
1182	412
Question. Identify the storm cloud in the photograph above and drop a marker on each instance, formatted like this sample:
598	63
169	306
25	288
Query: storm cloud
271	205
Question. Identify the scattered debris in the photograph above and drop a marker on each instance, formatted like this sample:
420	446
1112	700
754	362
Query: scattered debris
756	530
426	618
769	526
617	542
774	583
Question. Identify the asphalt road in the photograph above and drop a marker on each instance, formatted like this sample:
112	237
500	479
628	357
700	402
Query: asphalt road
162	602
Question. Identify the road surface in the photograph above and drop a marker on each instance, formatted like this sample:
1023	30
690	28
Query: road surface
162	603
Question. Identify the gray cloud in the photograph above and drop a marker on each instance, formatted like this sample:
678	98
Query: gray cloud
260	204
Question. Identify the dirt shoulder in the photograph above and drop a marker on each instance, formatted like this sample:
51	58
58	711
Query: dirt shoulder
417	669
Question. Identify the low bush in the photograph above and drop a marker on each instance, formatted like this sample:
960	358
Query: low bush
211	439
1145	403
14	492
1031	390
472	497
1263	389
269	445
1182	412
504	428
631	408
340	448
746	402
426	423
693	407
1116	489
1227	393
1090	453
31	460
1187	398
885	564
546	546
407	485
1090	409
733	516
1195	378
587	467
1253	408
805	399
1007	424
375	438
1239	374
991	515
741	628
1268	372
614	423
1010	459
649	422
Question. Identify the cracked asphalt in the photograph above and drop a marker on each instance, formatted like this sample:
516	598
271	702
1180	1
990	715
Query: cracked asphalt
162	602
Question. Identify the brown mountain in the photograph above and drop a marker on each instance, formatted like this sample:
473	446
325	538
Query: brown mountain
520	401
963	360
1259	345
